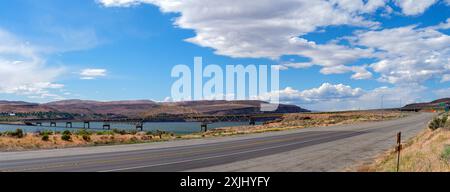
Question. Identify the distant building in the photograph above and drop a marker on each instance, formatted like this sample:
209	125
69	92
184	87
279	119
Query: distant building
12	114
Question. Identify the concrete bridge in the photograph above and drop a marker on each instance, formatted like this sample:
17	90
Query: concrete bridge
139	123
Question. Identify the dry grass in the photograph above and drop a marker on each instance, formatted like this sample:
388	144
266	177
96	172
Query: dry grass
304	120
427	152
34	141
325	119
290	121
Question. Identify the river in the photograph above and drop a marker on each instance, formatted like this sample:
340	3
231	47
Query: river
173	127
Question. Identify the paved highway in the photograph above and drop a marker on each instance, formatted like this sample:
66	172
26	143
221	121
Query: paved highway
213	154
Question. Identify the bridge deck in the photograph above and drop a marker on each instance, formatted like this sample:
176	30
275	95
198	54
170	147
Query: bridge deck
188	118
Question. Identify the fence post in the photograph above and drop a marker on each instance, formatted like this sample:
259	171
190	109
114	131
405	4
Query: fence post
399	148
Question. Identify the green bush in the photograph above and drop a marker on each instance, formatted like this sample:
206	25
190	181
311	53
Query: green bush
447	124
45	137
83	132
438	122
120	132
158	132
149	133
444	120
7	133
434	124
105	133
67	132
18	133
45	132
446	154
66	137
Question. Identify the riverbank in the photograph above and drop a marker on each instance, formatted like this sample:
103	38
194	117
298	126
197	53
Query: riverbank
52	140
11	123
429	151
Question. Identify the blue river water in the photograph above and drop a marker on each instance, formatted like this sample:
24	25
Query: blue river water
173	127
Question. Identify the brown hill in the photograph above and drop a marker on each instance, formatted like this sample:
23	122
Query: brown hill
222	107
433	104
22	107
143	108
14	103
126	108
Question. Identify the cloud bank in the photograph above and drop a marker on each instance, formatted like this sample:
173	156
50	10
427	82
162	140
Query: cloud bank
23	70
403	56
270	29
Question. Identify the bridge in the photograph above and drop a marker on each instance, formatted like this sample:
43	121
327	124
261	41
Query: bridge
139	123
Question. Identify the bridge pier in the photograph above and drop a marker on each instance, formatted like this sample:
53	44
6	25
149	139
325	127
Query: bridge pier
204	127
107	126
52	124
87	125
69	125
140	126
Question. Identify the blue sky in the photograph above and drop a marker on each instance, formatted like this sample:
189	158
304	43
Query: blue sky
335	54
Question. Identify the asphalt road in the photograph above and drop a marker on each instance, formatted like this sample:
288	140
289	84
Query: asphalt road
199	155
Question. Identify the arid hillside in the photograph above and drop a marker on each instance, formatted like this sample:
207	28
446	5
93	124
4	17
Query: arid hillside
433	104
143	108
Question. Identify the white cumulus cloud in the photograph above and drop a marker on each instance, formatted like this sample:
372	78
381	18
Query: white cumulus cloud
326	91
23	71
89	74
444	25
262	28
270	29
408	54
344	97
414	7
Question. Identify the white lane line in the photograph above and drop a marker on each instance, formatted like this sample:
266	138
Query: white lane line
225	155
